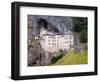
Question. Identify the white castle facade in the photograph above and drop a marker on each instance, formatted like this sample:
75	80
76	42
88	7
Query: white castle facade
53	42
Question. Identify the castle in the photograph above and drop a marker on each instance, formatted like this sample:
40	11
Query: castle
53	42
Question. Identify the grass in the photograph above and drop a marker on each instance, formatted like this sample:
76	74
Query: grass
72	58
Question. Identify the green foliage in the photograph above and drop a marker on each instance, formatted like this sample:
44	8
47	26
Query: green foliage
55	59
80	27
80	23
83	36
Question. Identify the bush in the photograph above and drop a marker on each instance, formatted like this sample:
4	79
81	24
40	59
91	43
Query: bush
55	59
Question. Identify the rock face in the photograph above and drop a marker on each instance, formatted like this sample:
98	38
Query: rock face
60	24
54	23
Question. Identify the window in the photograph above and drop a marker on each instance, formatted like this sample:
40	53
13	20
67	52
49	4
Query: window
53	43
54	46
70	37
51	37
70	42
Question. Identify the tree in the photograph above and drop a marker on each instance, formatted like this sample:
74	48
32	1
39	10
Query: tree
80	27
83	36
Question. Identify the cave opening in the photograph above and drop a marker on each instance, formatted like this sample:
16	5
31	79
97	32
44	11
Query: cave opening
42	23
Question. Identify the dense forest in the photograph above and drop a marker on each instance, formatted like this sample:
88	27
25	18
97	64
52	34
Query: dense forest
80	27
